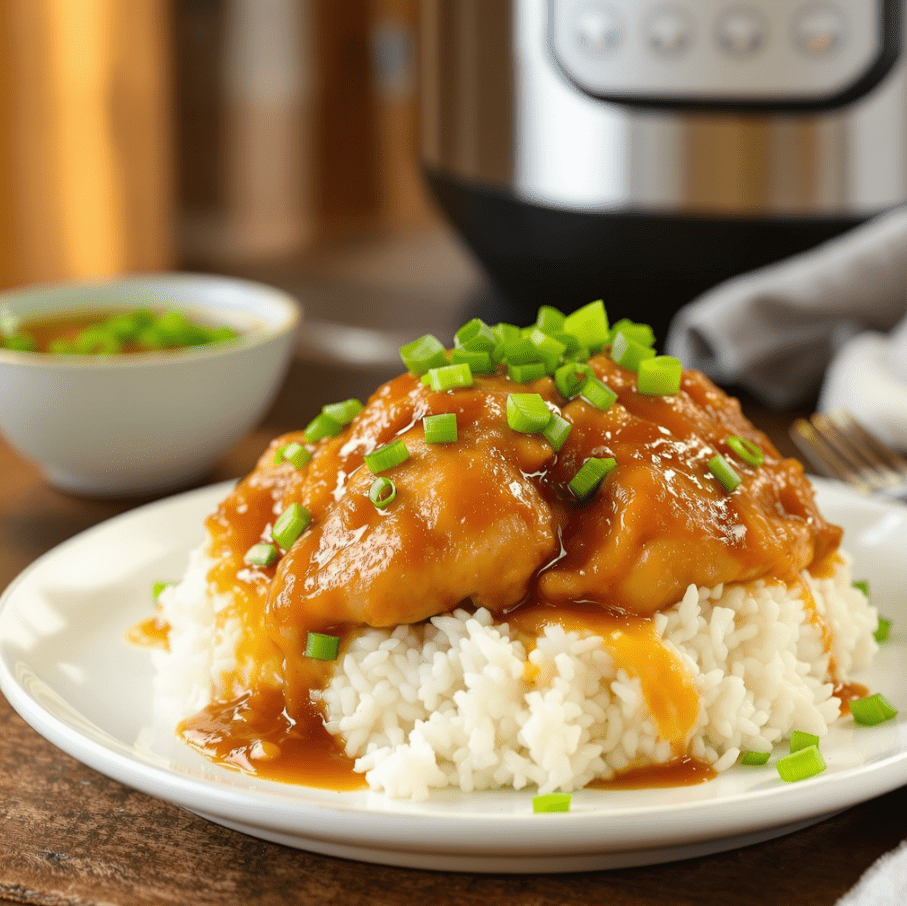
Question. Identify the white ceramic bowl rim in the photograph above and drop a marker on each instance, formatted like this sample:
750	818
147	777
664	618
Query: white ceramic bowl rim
277	312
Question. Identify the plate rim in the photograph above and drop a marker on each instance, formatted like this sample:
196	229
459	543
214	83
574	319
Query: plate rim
580	831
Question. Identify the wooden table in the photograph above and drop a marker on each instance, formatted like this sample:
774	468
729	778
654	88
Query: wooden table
69	835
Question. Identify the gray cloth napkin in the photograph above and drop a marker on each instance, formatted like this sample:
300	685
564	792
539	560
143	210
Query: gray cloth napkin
827	314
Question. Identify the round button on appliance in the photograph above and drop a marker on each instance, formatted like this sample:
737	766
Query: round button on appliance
669	31
599	30
742	32
819	28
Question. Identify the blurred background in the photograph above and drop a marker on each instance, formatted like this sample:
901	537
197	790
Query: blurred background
269	138
285	139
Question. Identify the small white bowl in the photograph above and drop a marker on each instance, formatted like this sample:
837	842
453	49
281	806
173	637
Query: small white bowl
141	423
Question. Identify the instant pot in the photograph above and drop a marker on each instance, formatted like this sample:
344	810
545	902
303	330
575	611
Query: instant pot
641	152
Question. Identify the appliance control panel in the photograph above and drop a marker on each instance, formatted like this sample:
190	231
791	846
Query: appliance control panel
723	52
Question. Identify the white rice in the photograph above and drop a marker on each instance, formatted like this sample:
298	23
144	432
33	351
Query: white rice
447	704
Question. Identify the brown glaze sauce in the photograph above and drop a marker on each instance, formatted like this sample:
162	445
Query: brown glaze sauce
489	520
150	633
683	771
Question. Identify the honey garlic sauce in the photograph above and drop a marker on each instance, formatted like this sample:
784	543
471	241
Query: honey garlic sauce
489	517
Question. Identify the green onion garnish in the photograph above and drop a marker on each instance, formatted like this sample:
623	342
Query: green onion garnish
801	764
590	476
322	647
551	802
628	353
589	325
475	335
557	431
872	710
448	377
321	426
20	342
261	554
746	450
569	378
344	412
423	354
528	371
863	586
882	630
291	523
519	351
527	413
752	757
440	429
550	319
479	360
547	349
387	457
157	588
719	467
293	453
633	330
659	376
801	740
382	492
597	394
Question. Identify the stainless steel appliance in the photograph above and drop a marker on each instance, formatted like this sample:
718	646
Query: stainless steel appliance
642	151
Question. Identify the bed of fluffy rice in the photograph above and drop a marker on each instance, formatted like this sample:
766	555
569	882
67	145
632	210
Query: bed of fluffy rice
447	704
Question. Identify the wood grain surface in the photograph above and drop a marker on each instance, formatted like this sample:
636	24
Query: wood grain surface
69	835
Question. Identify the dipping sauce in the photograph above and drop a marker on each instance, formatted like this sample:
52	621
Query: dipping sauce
111	332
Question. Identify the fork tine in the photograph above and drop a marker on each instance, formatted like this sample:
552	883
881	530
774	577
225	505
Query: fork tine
874	447
822	456
874	461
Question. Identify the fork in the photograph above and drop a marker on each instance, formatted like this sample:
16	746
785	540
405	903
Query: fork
837	446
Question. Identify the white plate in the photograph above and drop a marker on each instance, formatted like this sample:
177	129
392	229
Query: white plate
65	667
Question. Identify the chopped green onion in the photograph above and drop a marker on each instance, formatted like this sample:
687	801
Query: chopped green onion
719	467
557	431
550	319
590	476
386	457
641	333
448	377
20	342
157	588
293	453
569	378
589	325
746	450
322	426
505	332
548	349
527	413
752	757
863	586
343	413
479	361
475	335
802	740
291	523
628	353
597	394
440	429
872	710
882	630
519	351
261	554
551	802
423	354
659	376
528	371
801	764
322	647
382	492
